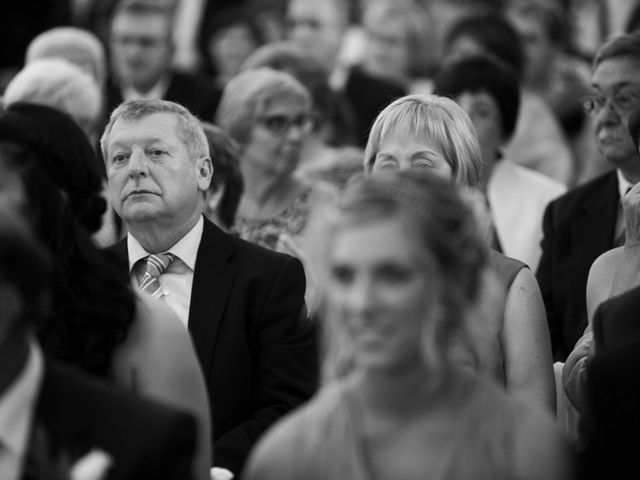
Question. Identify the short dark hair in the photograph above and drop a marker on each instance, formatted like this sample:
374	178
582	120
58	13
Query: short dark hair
225	156
483	74
495	34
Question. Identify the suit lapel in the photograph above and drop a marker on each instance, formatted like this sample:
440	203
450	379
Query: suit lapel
592	232
212	281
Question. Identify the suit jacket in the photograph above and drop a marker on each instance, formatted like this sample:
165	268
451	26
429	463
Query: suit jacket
144	439
617	320
611	423
256	346
577	228
188	90
368	95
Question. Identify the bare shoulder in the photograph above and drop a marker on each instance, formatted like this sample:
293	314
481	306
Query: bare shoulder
541	450
274	456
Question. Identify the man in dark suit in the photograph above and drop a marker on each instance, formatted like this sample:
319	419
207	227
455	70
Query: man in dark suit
244	305
587	221
141	54
610	424
50	417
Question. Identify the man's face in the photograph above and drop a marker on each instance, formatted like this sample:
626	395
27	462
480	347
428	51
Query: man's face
316	26
140	49
616	93
151	175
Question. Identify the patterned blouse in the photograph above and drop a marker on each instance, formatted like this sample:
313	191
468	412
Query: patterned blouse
267	231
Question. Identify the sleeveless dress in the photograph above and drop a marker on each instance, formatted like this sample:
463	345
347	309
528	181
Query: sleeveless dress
325	438
267	231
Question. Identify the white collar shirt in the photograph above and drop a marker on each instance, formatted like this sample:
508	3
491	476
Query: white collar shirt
177	279
17	406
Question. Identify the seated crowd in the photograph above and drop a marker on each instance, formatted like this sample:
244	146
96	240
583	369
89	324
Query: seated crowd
321	239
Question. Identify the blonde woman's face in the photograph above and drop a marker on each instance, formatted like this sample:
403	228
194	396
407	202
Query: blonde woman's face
401	151
377	290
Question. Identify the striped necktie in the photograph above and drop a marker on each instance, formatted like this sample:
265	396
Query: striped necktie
156	265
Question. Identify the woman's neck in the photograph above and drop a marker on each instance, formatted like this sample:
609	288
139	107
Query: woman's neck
400	393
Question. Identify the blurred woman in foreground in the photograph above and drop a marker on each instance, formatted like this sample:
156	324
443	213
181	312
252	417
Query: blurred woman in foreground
406	271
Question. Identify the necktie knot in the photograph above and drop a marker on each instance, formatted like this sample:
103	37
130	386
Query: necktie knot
156	265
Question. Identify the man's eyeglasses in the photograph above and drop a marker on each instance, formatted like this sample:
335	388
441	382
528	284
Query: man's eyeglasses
280	124
623	101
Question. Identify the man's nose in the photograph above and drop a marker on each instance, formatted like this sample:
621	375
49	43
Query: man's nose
138	164
608	114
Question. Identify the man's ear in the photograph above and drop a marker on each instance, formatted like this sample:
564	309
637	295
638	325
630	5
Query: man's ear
205	173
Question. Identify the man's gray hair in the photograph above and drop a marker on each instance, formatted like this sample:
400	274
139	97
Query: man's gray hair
189	129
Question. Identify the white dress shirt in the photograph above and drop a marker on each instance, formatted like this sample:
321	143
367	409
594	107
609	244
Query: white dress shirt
17	406
177	280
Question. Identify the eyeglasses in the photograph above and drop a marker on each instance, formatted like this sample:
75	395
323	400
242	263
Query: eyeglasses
281	124
623	101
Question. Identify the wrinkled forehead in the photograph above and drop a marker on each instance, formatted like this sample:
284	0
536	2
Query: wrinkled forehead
616	71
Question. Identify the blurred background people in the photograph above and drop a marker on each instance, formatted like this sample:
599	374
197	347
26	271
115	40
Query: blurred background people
141	49
406	270
399	43
226	185
538	141
435	134
488	91
269	114
96	323
328	152
318	27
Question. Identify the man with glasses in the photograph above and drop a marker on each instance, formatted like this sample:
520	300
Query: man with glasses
587	221
141	54
243	304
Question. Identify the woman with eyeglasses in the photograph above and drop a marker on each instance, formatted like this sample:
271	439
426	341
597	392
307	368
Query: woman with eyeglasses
268	113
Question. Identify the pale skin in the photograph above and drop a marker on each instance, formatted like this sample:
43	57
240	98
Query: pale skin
525	335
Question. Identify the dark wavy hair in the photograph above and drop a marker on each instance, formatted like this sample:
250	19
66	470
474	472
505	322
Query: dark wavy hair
93	306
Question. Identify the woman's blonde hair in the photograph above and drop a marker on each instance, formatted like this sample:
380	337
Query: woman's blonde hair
455	256
436	119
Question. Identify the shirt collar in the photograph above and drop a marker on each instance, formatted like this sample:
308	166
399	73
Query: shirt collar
17	403
623	184
186	249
